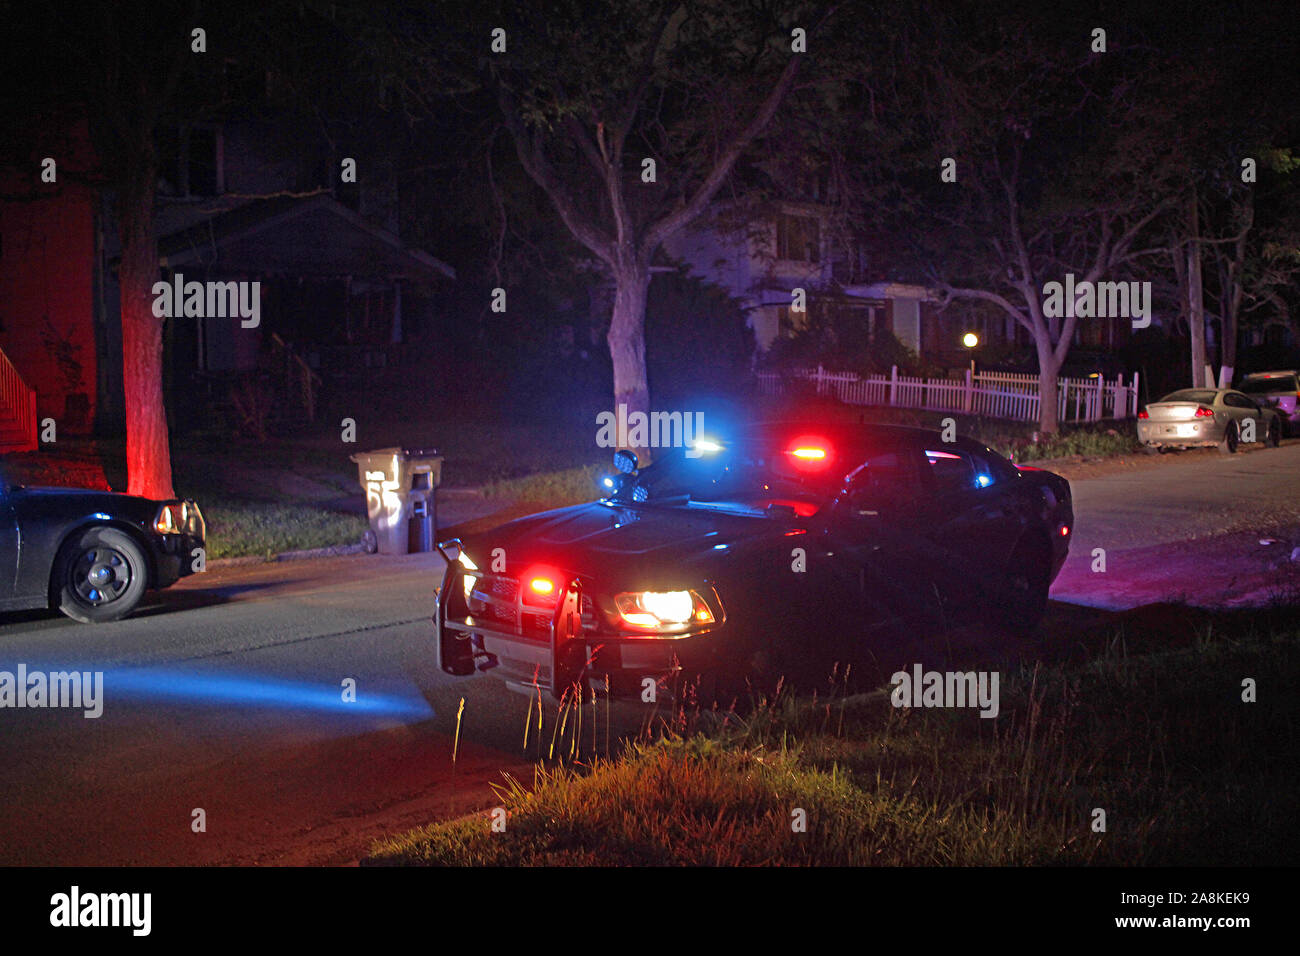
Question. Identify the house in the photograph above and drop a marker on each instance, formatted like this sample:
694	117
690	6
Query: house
49	285
339	293
341	298
762	254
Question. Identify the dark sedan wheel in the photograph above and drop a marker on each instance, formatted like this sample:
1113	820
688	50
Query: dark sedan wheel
100	575
1228	445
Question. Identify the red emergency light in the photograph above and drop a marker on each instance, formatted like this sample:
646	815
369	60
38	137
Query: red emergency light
810	453
541	585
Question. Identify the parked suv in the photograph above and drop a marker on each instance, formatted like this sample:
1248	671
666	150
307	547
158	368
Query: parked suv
1280	389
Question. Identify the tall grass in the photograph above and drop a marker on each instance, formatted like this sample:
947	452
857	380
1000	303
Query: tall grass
566	486
1161	741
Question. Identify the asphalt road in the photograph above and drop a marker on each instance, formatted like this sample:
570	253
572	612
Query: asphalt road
226	692
1188	528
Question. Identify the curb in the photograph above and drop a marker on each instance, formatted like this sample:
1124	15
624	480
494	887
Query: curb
338	550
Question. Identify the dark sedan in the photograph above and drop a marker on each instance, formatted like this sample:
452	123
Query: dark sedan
92	554
772	552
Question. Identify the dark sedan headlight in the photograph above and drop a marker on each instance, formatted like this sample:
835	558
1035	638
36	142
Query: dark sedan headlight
662	612
180	517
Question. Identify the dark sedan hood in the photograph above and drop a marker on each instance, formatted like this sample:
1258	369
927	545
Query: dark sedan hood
42	499
613	543
84	494
65	491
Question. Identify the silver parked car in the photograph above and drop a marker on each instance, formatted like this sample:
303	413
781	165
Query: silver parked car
1207	416
1280	389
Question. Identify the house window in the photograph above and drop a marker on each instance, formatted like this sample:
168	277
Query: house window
811	186
875	319
1275	336
1095	333
798	238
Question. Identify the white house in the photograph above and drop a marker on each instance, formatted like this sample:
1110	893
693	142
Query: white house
761	255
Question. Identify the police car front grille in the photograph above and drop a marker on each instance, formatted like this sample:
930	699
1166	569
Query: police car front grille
496	600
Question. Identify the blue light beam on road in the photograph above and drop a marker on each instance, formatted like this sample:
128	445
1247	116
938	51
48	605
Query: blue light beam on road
258	692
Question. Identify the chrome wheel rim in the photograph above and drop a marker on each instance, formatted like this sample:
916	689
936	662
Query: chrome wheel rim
101	575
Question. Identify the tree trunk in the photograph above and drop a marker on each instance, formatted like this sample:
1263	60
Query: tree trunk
1234	291
1049	394
627	337
148	455
1195	298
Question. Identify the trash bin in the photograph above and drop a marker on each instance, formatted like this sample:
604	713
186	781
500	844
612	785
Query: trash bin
422	522
400	485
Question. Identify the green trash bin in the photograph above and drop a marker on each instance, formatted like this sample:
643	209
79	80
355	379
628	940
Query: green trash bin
400	485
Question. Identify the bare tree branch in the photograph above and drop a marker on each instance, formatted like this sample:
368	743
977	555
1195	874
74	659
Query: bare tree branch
534	160
722	167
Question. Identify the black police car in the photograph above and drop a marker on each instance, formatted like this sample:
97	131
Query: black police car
92	554
773	552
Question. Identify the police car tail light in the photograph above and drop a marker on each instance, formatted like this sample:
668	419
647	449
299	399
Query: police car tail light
662	611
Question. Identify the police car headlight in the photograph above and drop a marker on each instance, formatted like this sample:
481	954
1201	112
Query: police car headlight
662	611
467	580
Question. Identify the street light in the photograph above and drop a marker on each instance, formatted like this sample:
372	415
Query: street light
971	340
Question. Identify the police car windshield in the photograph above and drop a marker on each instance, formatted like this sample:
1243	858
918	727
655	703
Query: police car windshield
747	474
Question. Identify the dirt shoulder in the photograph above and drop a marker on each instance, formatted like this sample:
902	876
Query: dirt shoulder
1078	467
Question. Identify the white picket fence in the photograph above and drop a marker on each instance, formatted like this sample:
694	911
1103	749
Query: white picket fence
1009	395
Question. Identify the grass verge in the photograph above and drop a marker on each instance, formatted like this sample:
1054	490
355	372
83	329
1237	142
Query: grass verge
1185	771
1100	440
554	489
241	528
